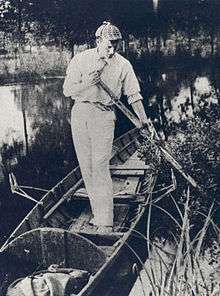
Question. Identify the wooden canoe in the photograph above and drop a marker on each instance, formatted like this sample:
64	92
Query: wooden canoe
57	230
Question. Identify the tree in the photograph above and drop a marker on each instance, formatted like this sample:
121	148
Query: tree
209	17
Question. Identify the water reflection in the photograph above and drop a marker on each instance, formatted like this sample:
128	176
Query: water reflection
176	95
11	121
35	129
191	99
35	143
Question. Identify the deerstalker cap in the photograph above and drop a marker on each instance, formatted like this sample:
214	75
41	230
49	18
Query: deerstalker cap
108	31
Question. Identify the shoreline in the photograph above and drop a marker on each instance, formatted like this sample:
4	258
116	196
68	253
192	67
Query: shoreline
23	80
154	62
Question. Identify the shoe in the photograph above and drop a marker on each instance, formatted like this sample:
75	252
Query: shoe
104	229
92	222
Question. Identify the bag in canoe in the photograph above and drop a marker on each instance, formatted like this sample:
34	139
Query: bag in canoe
51	282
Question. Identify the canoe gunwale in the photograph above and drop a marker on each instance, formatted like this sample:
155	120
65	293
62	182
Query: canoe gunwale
42	205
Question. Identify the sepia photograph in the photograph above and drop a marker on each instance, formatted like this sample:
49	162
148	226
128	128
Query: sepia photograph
109	148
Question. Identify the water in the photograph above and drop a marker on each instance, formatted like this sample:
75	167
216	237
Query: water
35	143
35	134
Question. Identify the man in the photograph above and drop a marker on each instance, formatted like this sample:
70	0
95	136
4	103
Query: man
93	118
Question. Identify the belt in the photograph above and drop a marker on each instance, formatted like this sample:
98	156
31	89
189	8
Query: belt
100	106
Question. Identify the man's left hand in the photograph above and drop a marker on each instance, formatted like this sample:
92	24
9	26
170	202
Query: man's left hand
146	127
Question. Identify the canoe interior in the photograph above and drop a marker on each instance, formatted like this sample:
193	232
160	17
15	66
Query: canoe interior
59	206
57	230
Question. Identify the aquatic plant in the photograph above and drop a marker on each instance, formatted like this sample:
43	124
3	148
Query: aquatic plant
183	266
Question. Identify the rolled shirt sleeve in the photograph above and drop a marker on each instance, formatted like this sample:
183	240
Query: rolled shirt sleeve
130	84
73	81
134	98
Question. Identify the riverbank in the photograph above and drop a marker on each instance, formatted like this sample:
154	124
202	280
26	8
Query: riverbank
32	67
52	65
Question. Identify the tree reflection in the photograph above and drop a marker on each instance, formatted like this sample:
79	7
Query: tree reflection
176	94
51	154
21	97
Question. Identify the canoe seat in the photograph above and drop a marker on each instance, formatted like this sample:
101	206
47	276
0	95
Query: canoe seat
108	250
133	166
124	190
101	240
121	220
119	197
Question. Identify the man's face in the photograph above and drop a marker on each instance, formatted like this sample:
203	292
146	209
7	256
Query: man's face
107	48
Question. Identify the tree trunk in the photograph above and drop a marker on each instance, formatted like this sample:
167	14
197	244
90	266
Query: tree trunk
25	131
60	45
176	42
19	24
146	43
72	49
215	83
164	42
126	46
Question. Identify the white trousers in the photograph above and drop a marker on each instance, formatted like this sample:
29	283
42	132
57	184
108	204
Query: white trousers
93	134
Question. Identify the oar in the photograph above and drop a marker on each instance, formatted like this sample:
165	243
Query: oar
157	141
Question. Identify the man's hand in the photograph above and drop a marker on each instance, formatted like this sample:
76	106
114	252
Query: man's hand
147	129
92	78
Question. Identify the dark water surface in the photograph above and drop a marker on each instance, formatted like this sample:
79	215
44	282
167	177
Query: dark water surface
35	134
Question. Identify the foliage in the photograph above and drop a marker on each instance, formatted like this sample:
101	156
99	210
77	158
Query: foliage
35	65
151	155
196	145
45	62
204	151
68	22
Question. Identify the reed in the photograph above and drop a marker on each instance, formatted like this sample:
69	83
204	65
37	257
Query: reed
34	65
183	266
188	262
44	63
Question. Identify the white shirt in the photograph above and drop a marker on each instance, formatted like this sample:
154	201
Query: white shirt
118	74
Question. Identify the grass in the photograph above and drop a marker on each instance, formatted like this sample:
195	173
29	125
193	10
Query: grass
44	63
34	66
